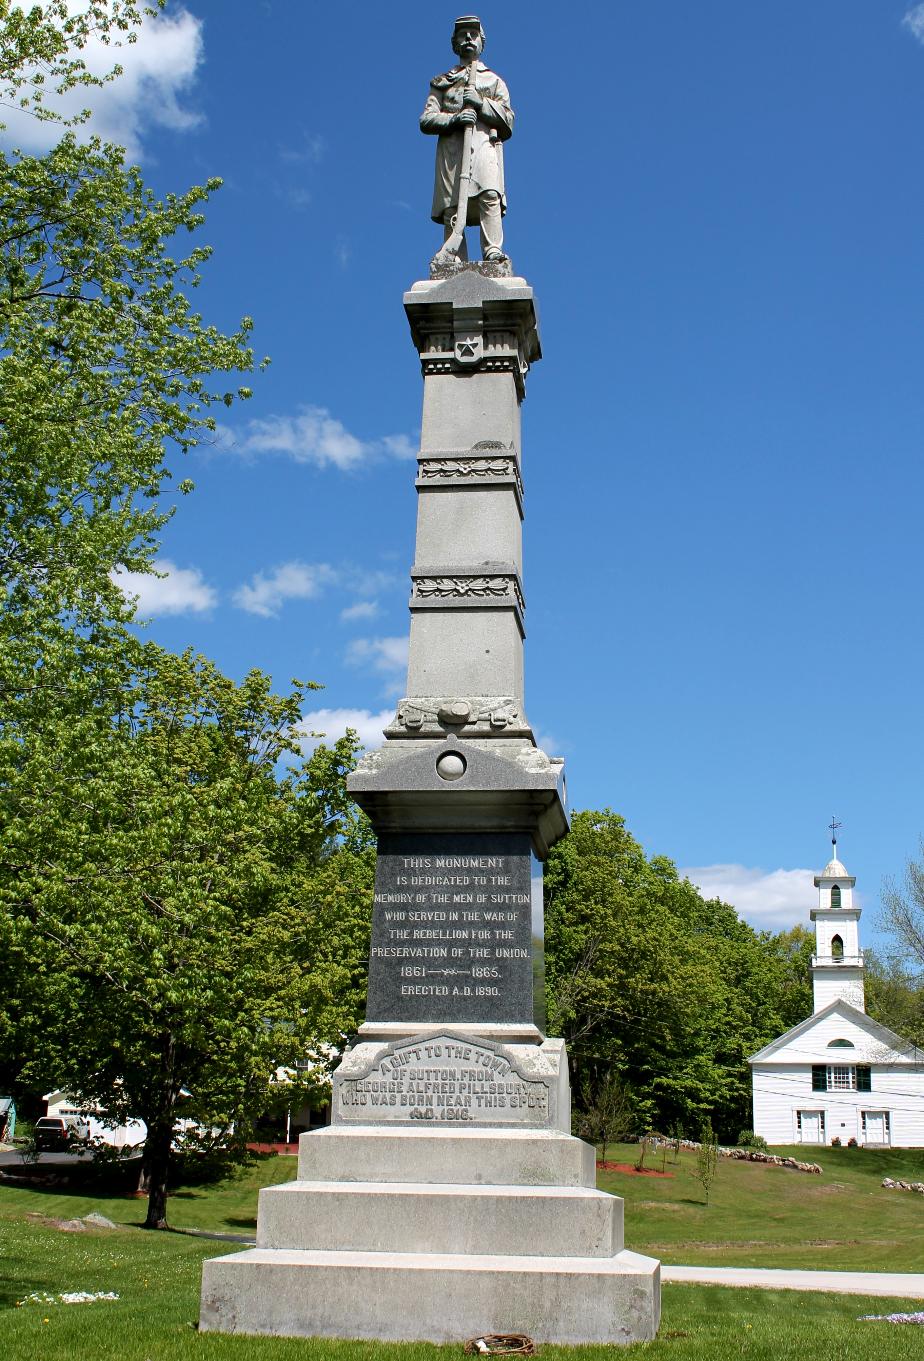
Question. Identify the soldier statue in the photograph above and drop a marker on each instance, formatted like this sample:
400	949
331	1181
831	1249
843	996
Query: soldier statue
468	109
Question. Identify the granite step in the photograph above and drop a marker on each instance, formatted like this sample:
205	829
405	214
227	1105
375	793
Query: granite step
433	1297
422	1217
472	1157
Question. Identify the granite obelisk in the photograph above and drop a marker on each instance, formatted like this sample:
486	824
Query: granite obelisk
448	1198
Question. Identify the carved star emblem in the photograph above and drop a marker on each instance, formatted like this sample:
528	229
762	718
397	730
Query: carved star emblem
466	350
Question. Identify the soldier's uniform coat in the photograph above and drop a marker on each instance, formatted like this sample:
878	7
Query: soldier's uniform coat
494	117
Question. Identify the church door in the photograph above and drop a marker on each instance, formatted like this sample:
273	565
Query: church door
812	1127
876	1128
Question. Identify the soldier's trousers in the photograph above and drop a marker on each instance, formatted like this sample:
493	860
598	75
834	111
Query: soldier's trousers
489	219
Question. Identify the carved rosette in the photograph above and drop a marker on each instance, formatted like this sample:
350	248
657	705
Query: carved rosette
493	587
470	467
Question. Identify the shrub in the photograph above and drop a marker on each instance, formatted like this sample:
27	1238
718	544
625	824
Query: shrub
835	1142
707	1158
748	1139
852	1143
645	1146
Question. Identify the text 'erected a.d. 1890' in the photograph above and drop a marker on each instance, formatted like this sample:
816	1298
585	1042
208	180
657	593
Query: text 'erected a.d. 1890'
451	935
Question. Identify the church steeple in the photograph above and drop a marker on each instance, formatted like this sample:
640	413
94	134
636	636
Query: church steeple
837	964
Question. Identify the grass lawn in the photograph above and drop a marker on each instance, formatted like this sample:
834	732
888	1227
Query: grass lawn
230	1207
157	1279
762	1215
757	1215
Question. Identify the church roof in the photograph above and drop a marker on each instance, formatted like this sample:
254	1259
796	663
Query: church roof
834	872
880	1033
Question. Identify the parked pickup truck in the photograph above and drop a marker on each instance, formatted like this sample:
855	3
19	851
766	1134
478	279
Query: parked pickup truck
55	1133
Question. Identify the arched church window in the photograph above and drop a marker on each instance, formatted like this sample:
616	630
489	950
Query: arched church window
840	1044
837	948
836	896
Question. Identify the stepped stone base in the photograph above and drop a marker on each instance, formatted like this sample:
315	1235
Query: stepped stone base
418	1217
404	1230
404	1234
432	1297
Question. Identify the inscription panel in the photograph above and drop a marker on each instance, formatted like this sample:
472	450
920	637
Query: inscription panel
453	930
440	1080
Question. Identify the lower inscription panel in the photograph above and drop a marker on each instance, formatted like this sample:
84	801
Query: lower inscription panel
456	930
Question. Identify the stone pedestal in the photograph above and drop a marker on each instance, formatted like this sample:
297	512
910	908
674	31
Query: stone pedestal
445	1228
448	1198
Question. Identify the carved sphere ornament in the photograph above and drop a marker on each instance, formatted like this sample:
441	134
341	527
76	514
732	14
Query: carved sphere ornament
451	766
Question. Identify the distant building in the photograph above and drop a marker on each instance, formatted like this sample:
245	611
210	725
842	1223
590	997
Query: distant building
132	1132
839	1074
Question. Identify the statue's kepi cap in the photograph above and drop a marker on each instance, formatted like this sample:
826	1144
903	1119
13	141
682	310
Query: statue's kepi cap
466	21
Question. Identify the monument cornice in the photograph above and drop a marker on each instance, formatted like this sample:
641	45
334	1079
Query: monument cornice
473	323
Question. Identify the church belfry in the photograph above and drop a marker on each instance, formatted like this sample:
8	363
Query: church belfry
837	964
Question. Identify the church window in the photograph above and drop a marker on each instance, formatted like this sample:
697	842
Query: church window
841	1077
840	1044
837	948
836	896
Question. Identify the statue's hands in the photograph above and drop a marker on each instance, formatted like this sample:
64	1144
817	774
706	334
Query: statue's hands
472	97
466	119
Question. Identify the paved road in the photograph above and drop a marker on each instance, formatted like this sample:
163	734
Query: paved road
14	1160
902	1285
894	1284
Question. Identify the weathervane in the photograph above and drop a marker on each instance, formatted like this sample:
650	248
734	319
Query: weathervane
834	824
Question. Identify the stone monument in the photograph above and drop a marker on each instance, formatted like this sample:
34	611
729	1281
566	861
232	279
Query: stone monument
448	1197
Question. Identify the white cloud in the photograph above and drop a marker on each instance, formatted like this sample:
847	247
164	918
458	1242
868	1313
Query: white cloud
385	655
313	435
549	743
294	580
307	151
180	590
914	22
157	73
333	723
363	609
769	900
399	446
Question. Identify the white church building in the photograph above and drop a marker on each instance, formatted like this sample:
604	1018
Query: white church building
839	1074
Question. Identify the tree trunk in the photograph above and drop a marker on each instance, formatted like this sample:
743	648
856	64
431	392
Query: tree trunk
155	1166
155	1162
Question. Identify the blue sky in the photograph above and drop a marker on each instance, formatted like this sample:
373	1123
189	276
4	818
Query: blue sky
720	208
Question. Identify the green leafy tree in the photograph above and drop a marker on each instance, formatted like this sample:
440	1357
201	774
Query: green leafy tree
607	1113
155	866
41	49
707	1159
895	996
903	915
648	980
196	909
